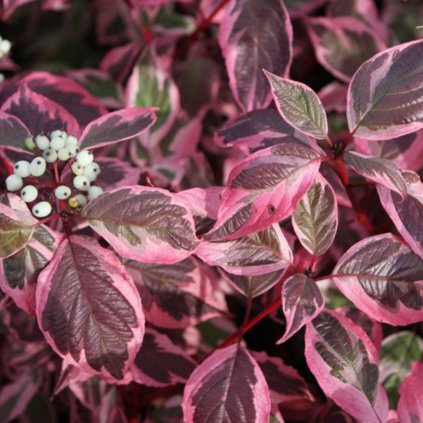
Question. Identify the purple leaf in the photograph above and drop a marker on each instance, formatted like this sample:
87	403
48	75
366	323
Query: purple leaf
252	255
264	189
315	219
345	364
146	224
299	106
383	97
406	213
410	406
299	8
116	173
259	129
383	278
89	309
378	170
39	114
284	382
160	363
343	44
16	226
302	301
176	295
12	131
15	396
19	272
227	386
246	44
117	126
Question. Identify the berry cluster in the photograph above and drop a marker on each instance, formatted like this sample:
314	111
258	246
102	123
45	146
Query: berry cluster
39	178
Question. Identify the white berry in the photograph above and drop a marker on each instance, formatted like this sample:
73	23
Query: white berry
90	173
58	133
29	144
50	156
14	183
81	182
5	46
73	150
62	192
94	192
37	166
84	157
77	169
29	193
64	154
80	200
71	141
42	142
21	168
42	209
57	143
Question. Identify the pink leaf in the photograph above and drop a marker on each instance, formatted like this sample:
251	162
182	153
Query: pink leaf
342	44
227	386
246	45
383	278
38	113
161	363
12	131
315	219
302	301
345	364
410	406
89	309
383	101
117	126
264	189
378	170
299	106
255	254
146	224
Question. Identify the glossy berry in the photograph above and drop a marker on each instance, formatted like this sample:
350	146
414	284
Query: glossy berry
42	142
90	173
29	193
14	183
94	192
77	169
57	143
37	166
71	141
42	209
64	154
58	133
84	157
73	150
62	192
50	155
81	182
21	168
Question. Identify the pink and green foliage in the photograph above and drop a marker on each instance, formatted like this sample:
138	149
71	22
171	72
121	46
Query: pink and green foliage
211	211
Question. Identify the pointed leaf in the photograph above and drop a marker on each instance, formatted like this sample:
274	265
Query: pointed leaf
146	224
12	131
345	364
227	386
381	171
383	278
315	220
264	189
89	309
117	126
255	254
384	94
299	106
160	363
302	301
410	406
246	44
406	213
342	44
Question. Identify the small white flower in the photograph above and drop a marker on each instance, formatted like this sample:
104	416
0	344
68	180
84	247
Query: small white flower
42	209
29	193
37	166
81	182
84	157
21	168
50	155
77	169
14	183
62	192
42	142
94	192
57	143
